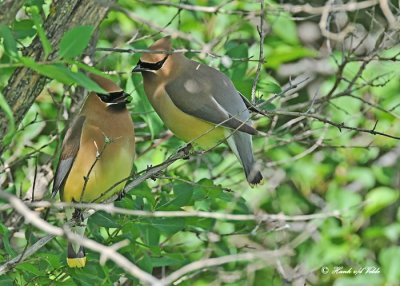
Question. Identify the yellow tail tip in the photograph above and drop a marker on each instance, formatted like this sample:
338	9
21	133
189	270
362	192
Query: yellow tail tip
76	262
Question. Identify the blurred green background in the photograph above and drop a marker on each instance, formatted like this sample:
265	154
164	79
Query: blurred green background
310	167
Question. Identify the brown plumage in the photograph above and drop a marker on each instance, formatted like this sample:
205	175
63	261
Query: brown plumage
97	152
198	103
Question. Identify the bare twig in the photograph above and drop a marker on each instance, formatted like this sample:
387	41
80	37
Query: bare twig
203	9
105	251
267	256
151	24
340	126
393	23
302	154
150	172
97	158
351	6
261	32
110	208
29	251
323	24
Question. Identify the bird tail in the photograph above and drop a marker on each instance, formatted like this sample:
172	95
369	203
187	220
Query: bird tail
242	146
76	256
76	259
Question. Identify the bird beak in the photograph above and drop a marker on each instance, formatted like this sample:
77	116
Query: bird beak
139	68
126	98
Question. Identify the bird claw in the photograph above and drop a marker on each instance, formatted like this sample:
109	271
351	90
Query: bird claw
186	150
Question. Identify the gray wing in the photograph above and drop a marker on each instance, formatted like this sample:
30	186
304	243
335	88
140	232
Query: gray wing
69	150
209	95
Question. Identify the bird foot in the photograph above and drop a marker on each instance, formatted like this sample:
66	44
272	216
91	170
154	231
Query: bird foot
186	150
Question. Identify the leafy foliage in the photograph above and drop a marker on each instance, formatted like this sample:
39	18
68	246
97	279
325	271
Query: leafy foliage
311	167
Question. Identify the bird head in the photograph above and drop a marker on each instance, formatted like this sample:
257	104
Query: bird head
115	96
153	62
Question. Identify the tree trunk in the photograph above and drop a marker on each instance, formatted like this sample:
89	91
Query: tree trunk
25	85
8	10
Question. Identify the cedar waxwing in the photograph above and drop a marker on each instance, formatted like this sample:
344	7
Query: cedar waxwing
97	152
192	98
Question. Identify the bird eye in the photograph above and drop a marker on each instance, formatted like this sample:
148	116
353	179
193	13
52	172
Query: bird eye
103	97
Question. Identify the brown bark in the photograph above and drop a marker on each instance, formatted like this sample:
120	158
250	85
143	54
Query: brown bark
8	10
25	85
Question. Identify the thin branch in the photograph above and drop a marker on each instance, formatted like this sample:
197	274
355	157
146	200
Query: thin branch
340	126
149	173
29	251
105	252
302	154
267	256
323	25
97	158
307	8
139	19
261	32
393	23
170	52
204	9
261	217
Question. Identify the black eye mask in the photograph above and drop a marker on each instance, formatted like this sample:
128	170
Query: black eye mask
114	97
143	66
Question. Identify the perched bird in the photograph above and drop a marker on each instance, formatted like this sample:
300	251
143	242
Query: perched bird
97	155
198	103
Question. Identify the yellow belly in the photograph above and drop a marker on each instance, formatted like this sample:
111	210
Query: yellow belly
114	164
184	126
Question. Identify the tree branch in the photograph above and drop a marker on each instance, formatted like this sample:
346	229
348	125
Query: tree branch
29	251
9	9
25	85
261	217
260	64
267	256
106	252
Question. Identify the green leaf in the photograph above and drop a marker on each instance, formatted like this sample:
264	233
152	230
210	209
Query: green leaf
389	259
5	238
29	267
271	87
87	68
284	27
74	41
238	70
10	45
86	82
54	71
11	121
149	234
168	225
141	102
62	74
39	28
285	53
184	193
54	260
379	198
6	280
23	29
167	261
102	218
145	263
